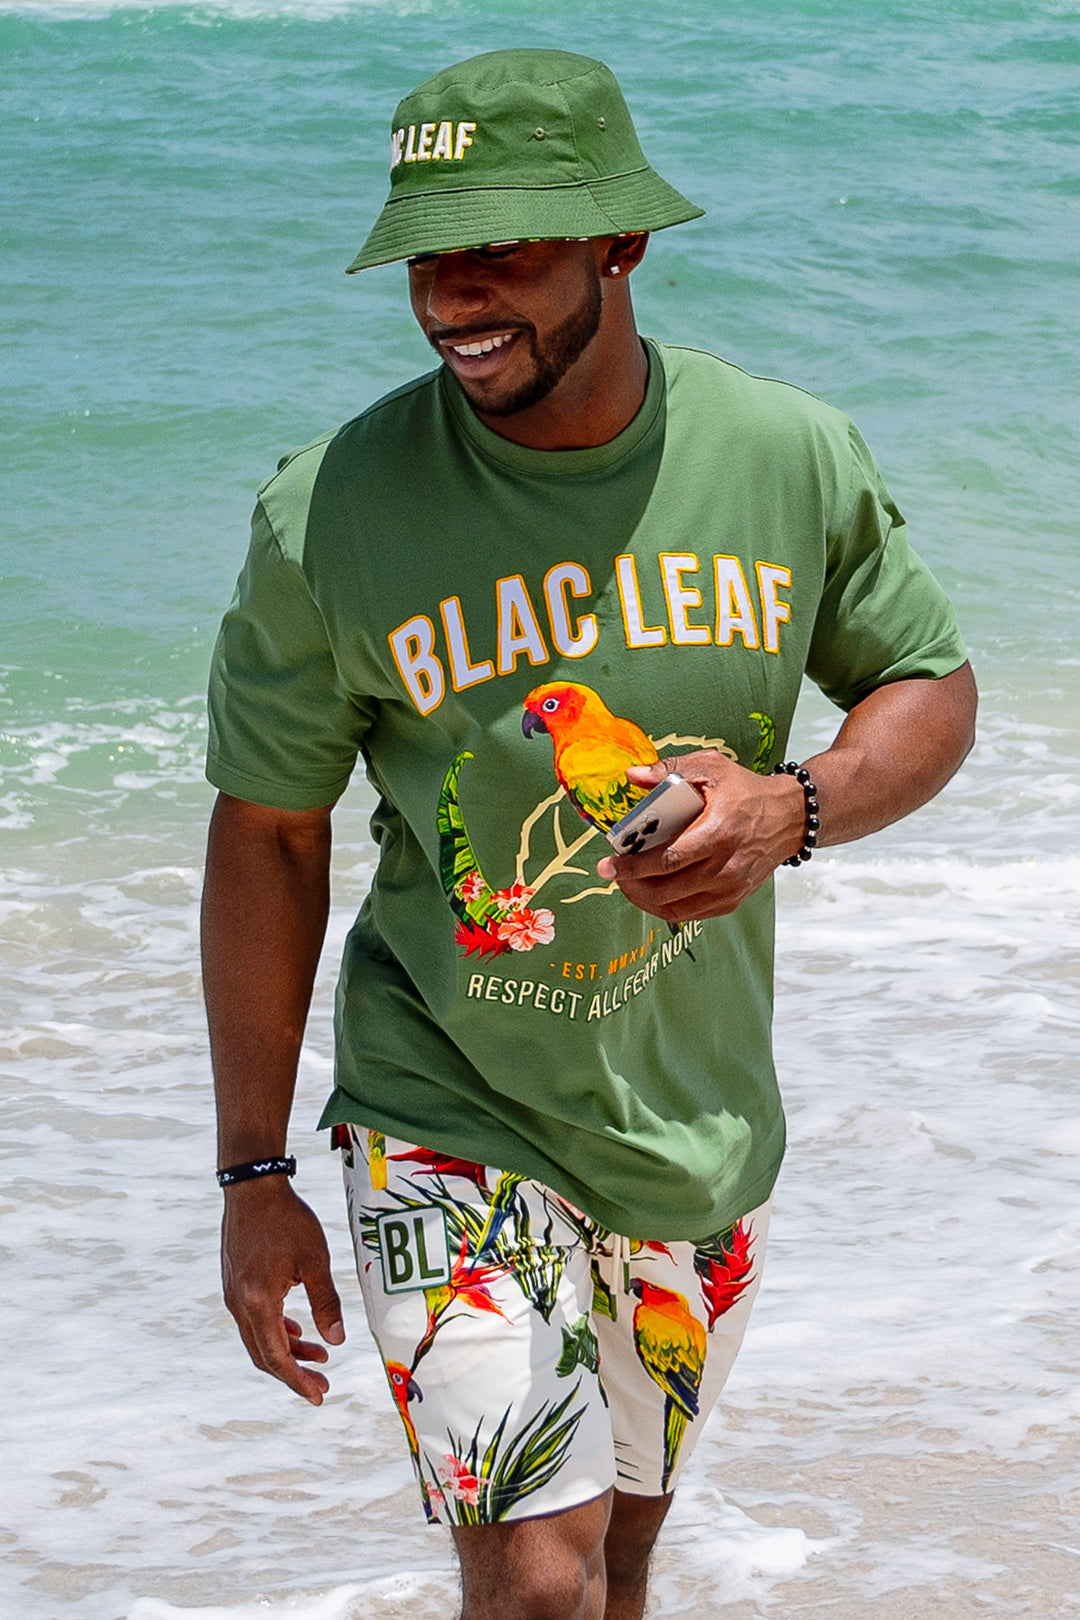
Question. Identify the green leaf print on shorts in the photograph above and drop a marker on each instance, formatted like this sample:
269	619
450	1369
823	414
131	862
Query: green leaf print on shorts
481	1489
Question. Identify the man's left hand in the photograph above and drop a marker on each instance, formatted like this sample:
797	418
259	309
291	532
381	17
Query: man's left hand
749	824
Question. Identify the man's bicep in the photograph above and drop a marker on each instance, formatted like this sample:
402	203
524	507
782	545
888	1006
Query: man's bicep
925	725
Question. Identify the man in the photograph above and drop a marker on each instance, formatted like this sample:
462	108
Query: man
526	587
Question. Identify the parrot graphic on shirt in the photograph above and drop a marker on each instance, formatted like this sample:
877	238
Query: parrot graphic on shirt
593	749
670	1343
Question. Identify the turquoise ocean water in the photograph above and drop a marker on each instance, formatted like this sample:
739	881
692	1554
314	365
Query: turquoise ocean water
893	213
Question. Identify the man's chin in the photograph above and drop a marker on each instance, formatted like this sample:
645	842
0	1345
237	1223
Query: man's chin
513	406
488	398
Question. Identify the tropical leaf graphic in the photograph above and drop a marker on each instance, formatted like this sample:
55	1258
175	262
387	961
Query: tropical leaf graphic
589	1231
765	747
580	1348
537	1265
508	1470
458	865
603	1298
501	1206
489	921
538	1270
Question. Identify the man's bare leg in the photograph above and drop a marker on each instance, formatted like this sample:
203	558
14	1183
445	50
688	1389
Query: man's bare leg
547	1568
632	1529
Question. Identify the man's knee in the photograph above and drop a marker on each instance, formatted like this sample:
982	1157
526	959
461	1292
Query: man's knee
555	1587
549	1568
531	1582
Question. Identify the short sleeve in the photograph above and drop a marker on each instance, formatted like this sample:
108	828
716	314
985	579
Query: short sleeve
284	732
882	615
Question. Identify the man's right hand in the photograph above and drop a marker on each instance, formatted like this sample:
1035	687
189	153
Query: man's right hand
272	1242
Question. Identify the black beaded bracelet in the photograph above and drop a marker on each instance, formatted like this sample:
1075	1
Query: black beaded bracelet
254	1168
802	776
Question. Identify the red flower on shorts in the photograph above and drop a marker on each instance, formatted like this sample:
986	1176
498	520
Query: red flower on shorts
456	1479
432	1163
725	1269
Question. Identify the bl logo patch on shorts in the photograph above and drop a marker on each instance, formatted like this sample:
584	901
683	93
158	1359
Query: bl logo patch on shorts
413	1250
535	1358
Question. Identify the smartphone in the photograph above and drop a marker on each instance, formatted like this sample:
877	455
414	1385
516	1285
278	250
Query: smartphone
657	818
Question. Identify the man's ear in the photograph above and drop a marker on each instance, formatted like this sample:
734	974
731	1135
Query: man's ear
623	253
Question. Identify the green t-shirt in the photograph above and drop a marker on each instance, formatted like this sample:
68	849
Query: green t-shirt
412	581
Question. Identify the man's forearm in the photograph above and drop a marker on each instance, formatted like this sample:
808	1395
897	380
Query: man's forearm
264	917
896	750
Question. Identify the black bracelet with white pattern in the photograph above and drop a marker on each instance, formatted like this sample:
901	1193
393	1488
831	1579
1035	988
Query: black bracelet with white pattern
813	823
255	1168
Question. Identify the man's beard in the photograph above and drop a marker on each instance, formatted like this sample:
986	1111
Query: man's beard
565	346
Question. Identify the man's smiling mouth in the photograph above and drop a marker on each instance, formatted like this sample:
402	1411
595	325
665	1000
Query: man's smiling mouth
482	345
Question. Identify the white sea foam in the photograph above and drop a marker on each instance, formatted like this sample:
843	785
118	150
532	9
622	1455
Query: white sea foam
343	1603
86	763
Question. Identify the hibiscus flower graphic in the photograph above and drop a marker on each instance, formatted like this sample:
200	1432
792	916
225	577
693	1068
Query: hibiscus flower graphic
515	897
471	887
524	928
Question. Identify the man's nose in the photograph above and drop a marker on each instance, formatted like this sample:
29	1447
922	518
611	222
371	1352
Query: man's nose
457	290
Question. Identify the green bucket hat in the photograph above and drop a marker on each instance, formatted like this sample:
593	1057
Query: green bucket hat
516	146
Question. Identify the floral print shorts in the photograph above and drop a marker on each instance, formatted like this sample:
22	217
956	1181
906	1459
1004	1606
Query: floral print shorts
535	1358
